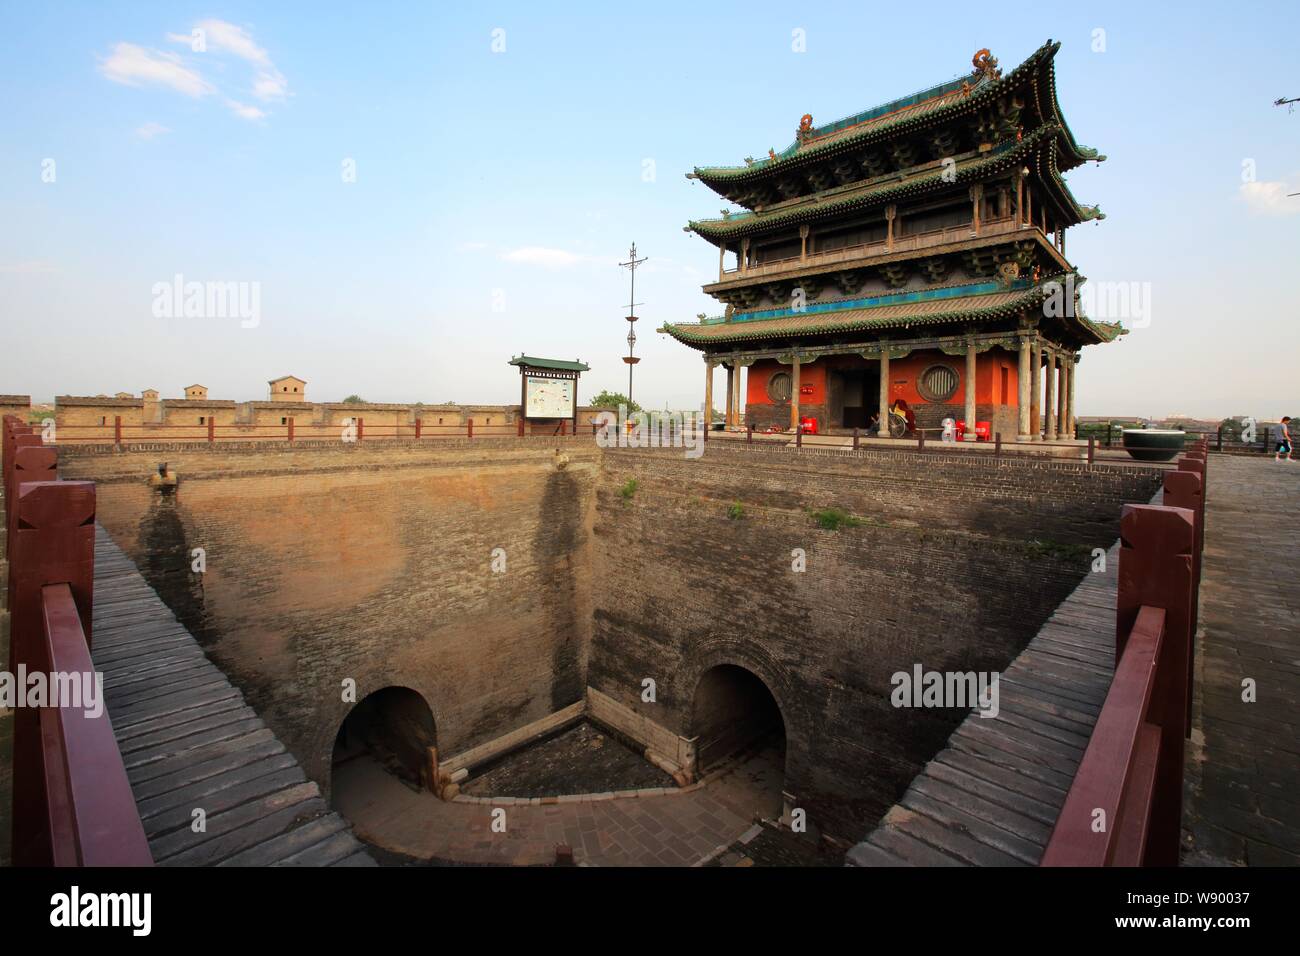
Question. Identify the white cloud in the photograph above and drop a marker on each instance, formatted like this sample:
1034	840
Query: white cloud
133	65
222	37
150	130
546	257
1270	198
473	246
244	111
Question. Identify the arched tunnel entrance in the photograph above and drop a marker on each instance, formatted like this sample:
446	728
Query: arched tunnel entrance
393	727
734	714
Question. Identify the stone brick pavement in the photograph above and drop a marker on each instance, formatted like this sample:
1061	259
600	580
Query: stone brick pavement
677	829
1243	763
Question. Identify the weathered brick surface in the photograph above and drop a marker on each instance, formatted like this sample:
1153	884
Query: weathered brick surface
371	563
945	573
327	561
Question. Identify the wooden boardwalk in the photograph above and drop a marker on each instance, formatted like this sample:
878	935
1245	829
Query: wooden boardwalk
992	796
190	742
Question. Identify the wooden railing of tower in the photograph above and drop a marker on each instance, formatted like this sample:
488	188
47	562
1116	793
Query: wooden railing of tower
1125	805
72	802
909	243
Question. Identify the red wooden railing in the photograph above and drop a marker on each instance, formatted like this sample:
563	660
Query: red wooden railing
1125	805
72	802
119	433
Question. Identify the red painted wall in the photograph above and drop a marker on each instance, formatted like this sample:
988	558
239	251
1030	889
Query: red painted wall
996	379
812	377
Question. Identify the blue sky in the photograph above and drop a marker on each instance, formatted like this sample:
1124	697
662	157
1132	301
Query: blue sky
495	192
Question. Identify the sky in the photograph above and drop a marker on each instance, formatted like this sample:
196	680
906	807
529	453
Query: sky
416	192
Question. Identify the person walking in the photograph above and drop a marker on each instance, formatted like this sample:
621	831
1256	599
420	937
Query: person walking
1284	440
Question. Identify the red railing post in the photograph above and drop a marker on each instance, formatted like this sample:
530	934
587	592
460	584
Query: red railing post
419	427
1092	449
1156	570
519	427
29	460
798	435
997	444
564	425
117	429
1185	489
212	430
1132	770
53	542
361	428
469	428
855	440
290	428
749	434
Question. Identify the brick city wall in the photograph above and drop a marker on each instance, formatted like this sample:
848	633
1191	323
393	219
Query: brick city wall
371	563
956	565
327	561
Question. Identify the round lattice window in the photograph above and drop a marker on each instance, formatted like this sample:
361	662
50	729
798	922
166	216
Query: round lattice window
937	383
778	387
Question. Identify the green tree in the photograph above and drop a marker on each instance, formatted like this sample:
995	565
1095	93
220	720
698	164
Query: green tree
354	400
612	400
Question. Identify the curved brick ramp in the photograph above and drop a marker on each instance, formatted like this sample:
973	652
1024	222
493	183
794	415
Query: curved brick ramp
189	741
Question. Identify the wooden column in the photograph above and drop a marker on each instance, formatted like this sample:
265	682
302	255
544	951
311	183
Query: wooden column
883	427
794	393
1062	387
890	212
1035	390
708	394
803	242
722	260
970	392
1049	433
737	403
731	372
744	255
1070	412
977	200
1029	205
1022	417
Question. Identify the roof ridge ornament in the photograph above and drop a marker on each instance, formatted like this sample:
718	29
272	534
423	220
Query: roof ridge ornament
986	64
805	130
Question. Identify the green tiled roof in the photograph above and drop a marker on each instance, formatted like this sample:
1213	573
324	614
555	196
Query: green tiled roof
935	105
559	364
1047	137
921	307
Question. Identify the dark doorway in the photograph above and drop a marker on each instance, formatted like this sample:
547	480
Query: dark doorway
733	711
853	396
393	726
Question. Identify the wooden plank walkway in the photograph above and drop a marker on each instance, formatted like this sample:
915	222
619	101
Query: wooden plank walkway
1242	802
992	796
189	742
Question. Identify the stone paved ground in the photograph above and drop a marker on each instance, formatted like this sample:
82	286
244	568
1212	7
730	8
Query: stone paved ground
1243	763
677	829
581	758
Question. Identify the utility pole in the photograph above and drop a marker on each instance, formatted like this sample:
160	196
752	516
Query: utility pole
630	359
